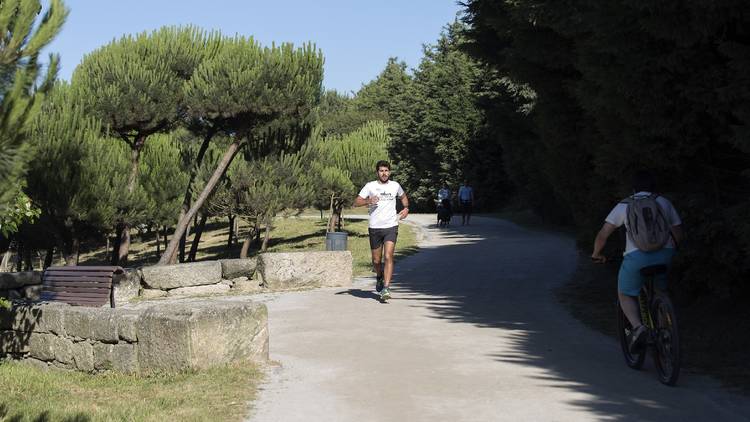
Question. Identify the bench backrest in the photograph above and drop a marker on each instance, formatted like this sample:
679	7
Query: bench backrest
84	286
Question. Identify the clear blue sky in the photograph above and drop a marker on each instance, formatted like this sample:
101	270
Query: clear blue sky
357	37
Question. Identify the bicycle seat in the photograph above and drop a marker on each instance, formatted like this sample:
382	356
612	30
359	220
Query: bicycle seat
653	270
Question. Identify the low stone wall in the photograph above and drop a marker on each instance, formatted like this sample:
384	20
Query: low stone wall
268	272
300	270
167	336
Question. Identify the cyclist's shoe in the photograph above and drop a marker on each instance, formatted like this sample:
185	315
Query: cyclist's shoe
379	284
385	294
636	339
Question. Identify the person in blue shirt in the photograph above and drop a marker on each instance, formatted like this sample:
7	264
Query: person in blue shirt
466	199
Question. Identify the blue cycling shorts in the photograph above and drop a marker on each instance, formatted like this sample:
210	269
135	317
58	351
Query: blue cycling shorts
630	280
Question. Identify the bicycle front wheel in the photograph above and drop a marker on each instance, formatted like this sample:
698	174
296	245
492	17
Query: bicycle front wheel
635	359
666	339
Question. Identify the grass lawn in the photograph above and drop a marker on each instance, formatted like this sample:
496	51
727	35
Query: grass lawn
31	394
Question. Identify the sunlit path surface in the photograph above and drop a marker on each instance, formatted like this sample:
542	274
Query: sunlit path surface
473	333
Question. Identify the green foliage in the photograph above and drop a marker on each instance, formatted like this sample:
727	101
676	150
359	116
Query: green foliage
620	86
135	84
163	177
245	86
338	114
20	96
77	178
438	134
341	164
22	211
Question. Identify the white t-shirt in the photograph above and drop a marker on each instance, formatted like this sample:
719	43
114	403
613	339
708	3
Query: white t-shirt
619	215
444	194
382	214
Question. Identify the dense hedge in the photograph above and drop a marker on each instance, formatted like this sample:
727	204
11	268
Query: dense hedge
595	90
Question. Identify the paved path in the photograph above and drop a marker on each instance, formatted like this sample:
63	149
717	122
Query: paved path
473	334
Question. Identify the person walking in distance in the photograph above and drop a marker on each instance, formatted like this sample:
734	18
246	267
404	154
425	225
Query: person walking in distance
654	229
466	199
380	196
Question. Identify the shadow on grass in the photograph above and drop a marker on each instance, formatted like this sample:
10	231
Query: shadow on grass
7	415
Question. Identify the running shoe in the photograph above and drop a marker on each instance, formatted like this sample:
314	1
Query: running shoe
379	284
385	294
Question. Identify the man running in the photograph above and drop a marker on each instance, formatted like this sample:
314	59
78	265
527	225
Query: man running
380	197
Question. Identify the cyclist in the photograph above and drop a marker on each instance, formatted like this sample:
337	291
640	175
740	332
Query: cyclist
444	201
629	278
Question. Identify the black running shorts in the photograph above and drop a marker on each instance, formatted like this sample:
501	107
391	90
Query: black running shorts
380	236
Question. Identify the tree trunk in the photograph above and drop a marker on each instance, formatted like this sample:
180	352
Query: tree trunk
332	216
231	232
49	257
210	185
246	244
158	242
268	234
124	244
197	239
189	189
28	263
122	258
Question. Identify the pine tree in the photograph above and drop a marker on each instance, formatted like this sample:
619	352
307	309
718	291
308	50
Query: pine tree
21	90
261	96
135	86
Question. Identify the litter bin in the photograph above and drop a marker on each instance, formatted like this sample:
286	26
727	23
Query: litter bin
336	241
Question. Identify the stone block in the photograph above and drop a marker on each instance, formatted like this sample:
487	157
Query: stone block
298	270
102	354
202	334
125	358
83	356
212	289
126	285
14	342
49	347
126	325
182	275
17	280
33	292
97	324
247	286
20	318
148	294
243	267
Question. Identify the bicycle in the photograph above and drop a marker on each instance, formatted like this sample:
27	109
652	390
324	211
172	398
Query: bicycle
662	337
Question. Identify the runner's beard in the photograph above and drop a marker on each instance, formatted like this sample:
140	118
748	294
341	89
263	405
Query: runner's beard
384	179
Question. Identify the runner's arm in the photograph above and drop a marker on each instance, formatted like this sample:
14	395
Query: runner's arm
360	201
600	240
405	202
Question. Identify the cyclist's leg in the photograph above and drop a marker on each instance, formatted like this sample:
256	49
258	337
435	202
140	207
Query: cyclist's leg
629	282
663	256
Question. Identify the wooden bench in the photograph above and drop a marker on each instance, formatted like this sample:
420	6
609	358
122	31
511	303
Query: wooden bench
80	285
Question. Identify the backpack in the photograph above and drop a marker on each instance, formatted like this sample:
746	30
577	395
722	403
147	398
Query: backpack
648	227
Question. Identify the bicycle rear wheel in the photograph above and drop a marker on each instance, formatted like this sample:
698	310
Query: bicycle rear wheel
633	360
666	340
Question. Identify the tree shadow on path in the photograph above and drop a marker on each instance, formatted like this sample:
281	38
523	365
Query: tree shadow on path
500	276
